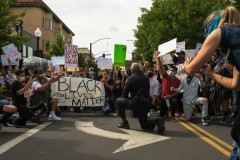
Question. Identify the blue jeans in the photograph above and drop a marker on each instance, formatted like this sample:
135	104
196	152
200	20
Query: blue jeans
235	155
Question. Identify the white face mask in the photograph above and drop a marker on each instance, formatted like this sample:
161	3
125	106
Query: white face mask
22	78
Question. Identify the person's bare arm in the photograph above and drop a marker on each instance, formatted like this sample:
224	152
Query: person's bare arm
209	46
161	67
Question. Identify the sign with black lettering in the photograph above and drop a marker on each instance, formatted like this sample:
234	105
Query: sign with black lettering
75	91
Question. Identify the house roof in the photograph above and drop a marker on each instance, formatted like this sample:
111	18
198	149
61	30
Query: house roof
31	1
40	3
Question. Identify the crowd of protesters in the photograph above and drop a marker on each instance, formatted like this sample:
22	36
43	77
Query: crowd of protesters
169	93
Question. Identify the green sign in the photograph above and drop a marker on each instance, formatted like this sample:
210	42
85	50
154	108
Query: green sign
120	55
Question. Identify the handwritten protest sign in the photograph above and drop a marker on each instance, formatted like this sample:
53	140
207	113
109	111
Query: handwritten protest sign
167	47
72	91
5	61
180	46
104	63
60	60
11	51
71	56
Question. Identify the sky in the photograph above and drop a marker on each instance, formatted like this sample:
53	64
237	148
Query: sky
91	20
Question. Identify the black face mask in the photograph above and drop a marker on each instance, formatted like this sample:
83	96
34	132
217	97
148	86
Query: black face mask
150	74
189	79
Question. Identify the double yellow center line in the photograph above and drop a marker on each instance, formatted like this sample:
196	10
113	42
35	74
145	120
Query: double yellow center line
207	137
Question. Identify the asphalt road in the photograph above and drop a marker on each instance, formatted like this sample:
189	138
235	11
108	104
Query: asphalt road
89	136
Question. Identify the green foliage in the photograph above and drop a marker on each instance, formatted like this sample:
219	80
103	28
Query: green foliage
47	56
169	19
82	61
7	29
57	48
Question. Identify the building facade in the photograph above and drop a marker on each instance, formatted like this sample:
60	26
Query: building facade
39	15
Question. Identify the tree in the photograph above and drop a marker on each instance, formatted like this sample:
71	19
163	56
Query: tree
7	30
57	48
168	19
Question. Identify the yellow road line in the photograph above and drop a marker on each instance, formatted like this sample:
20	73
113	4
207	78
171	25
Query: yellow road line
209	141
210	135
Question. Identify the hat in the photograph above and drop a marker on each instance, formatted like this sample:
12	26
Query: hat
18	72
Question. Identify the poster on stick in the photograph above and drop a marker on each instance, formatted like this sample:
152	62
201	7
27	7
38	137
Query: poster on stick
71	56
167	47
75	91
11	51
59	60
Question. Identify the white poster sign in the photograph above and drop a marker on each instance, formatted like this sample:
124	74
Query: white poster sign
190	53
167	47
75	91
60	60
198	47
5	61
180	46
104	63
11	51
71	56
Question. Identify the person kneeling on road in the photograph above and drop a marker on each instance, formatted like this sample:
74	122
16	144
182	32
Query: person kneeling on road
138	86
42	92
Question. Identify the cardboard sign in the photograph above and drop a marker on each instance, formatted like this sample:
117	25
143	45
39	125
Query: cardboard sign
167	47
75	91
180	46
71	56
104	63
120	51
180	74
11	51
5	61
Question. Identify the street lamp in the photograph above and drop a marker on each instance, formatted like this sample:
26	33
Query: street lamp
38	34
92	44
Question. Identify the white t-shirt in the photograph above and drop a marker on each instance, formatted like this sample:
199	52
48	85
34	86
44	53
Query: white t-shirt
37	84
154	85
190	91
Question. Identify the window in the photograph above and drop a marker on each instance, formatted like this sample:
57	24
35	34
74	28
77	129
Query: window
57	31
48	24
48	45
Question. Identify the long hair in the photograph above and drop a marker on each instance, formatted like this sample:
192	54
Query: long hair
230	16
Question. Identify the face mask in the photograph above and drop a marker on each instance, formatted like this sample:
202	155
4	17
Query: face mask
22	78
171	73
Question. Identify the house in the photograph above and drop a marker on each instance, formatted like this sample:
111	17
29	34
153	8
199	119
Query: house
39	15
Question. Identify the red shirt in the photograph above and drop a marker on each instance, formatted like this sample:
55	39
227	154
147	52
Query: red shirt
167	83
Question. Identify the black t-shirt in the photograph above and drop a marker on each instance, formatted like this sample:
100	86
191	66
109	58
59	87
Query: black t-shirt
230	39
17	99
108	92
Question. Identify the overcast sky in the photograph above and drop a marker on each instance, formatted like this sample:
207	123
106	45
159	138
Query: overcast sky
92	20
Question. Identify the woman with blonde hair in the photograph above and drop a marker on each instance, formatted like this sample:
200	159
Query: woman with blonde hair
222	29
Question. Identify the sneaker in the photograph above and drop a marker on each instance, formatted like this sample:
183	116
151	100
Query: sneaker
173	119
160	126
204	121
123	125
54	118
225	120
